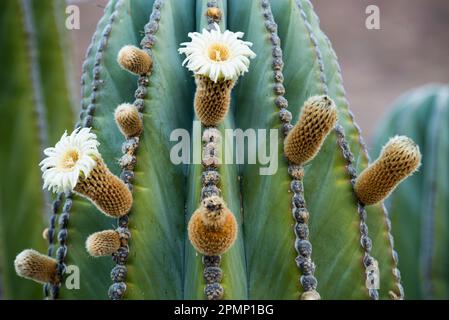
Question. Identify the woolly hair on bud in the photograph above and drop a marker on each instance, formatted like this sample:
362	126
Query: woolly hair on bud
135	60
128	120
212	228
33	265
106	191
399	158
103	243
212	99
213	13
318	117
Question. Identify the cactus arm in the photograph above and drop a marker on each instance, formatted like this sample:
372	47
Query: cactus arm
404	118
52	59
157	219
307	77
35	97
110	87
17	149
267	223
232	264
418	206
377	218
435	227
433	271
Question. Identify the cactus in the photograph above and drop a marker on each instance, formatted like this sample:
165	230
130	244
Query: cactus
35	108
184	216
419	206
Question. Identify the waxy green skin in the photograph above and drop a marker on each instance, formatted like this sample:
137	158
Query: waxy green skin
419	206
36	79
162	264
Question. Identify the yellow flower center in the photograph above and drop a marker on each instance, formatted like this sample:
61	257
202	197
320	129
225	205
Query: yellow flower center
69	160
218	52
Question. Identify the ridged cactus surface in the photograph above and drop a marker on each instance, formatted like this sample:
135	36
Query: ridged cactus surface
35	109
302	232
420	207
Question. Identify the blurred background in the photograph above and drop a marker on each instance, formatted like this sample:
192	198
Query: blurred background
410	49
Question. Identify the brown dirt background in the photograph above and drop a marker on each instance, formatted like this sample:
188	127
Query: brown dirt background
411	49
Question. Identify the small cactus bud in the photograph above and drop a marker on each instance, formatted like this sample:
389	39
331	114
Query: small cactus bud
134	60
103	243
399	158
45	234
106	191
310	295
212	228
212	99
33	265
213	13
318	117
128	120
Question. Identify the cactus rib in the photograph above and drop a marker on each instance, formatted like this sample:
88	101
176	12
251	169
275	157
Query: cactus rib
302	245
427	247
399	294
118	288
365	241
213	290
35	75
302	177
92	89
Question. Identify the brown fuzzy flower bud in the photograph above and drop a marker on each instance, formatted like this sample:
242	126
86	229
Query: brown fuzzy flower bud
103	243
212	228
318	117
399	158
33	265
134	60
212	99
128	120
106	191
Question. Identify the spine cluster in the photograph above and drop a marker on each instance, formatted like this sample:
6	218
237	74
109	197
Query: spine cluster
299	210
129	121
369	262
212	228
210	243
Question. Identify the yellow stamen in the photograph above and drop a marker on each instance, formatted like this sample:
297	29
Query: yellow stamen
218	52
69	160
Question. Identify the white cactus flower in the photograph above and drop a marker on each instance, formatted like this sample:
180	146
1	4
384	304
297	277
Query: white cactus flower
73	156
217	55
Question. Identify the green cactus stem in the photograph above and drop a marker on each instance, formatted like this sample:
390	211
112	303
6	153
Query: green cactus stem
419	206
271	258
36	107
